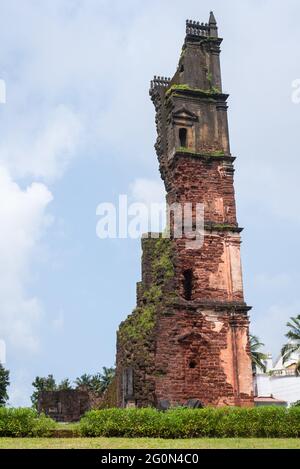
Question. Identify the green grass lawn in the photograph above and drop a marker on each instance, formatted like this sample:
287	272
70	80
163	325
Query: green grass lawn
148	443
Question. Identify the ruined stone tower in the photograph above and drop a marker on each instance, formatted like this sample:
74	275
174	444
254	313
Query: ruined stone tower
188	337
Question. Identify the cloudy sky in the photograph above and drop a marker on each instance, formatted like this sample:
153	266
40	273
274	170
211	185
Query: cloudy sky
78	129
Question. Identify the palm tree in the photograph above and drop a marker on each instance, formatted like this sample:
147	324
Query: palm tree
65	385
97	383
106	377
257	356
293	346
83	381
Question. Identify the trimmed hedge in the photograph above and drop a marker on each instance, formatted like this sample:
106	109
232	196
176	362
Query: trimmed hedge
24	422
270	422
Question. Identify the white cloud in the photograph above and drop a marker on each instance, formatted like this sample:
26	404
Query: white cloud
89	60
2	92
22	220
41	149
2	351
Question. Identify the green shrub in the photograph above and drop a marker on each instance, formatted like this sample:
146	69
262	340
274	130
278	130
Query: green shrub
228	422
24	422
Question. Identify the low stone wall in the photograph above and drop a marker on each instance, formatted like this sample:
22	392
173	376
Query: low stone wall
64	406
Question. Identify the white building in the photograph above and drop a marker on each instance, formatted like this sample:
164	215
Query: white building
279	381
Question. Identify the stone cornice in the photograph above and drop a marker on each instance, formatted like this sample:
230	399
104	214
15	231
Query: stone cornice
185	90
211	226
201	155
230	307
199	40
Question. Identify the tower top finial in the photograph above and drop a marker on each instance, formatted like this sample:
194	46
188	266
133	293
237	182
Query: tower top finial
212	19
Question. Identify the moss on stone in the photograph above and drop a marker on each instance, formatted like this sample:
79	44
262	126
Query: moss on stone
222	226
214	153
177	88
185	150
215	90
209	77
139	325
183	87
217	153
162	262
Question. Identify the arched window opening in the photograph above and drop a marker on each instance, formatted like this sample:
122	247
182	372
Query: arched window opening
188	284
183	137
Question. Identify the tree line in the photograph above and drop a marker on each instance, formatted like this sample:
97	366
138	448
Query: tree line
97	384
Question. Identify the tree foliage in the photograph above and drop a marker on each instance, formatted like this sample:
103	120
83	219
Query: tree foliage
293	345
42	384
4	383
257	356
106	377
64	385
96	383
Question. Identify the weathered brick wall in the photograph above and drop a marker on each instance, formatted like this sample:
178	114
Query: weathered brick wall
214	277
196	361
136	337
205	181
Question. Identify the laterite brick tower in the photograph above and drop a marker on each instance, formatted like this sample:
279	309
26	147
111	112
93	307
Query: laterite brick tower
188	337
